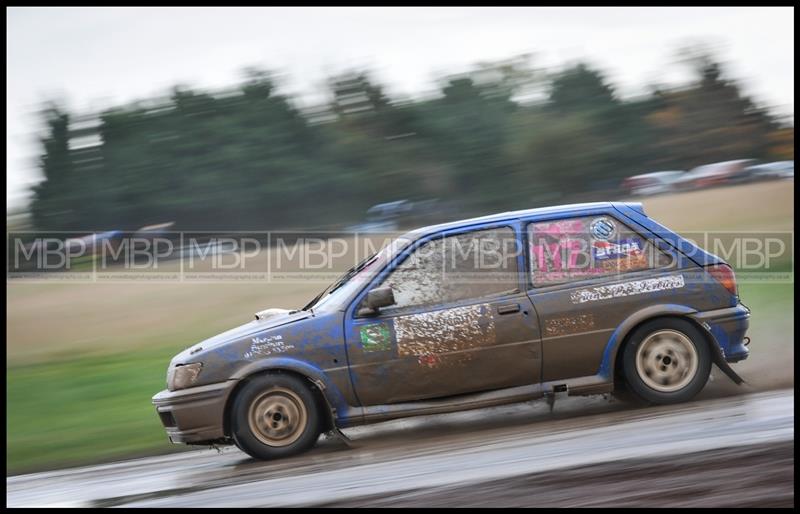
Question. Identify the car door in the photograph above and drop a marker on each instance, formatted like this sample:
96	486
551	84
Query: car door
461	322
588	273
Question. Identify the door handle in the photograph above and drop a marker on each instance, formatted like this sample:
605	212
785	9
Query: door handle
508	309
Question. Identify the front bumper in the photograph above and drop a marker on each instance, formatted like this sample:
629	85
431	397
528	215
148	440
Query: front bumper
194	415
728	326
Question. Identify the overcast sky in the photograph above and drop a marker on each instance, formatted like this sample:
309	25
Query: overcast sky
96	57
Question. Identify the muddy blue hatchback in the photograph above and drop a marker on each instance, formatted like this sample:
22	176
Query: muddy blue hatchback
577	299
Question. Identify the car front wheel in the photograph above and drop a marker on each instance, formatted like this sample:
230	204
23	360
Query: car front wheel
666	361
275	416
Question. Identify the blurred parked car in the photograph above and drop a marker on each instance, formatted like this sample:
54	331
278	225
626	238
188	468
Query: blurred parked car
716	174
772	170
152	231
91	244
384	217
654	183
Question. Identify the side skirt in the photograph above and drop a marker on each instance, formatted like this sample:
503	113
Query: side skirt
595	384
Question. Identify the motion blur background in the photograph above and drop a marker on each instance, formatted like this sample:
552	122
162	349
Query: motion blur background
305	119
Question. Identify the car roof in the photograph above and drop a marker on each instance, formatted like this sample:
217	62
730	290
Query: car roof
512	215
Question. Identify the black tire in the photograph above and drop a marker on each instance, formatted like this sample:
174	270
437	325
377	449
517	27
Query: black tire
623	394
285	417
673	365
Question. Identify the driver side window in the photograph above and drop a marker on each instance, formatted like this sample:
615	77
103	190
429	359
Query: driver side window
444	270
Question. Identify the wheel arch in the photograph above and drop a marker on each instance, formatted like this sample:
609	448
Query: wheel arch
609	366
315	379
629	326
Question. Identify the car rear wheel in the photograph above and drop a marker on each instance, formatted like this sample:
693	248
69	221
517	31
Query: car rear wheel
275	416
666	361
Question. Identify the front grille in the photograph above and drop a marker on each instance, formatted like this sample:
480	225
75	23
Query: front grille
167	419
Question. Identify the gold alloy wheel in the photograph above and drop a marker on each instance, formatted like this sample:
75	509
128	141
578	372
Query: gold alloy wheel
278	417
666	361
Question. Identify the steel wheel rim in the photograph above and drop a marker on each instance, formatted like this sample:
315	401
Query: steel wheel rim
666	361
278	417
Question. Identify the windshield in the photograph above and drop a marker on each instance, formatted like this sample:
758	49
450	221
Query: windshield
357	276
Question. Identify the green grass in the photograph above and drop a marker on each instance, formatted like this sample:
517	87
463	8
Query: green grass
86	409
774	300
772	318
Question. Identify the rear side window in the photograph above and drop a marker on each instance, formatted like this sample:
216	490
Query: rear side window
574	249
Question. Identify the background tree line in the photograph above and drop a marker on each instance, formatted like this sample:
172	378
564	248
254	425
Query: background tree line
251	159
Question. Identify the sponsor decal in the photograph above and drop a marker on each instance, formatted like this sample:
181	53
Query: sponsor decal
632	288
630	263
626	255
602	229
603	250
376	337
560	228
267	346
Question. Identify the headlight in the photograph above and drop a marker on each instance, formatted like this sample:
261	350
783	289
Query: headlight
182	376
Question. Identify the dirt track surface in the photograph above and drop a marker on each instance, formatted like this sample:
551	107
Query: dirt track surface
760	476
478	451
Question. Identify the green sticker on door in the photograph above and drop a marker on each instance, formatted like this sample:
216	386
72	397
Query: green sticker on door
376	338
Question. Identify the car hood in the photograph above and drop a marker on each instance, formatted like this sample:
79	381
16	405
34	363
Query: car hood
270	318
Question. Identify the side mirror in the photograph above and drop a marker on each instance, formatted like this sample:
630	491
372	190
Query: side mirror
377	298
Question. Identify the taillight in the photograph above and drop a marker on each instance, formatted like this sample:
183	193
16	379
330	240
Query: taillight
724	275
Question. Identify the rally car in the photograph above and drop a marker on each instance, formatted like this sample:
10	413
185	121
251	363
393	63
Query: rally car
579	299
